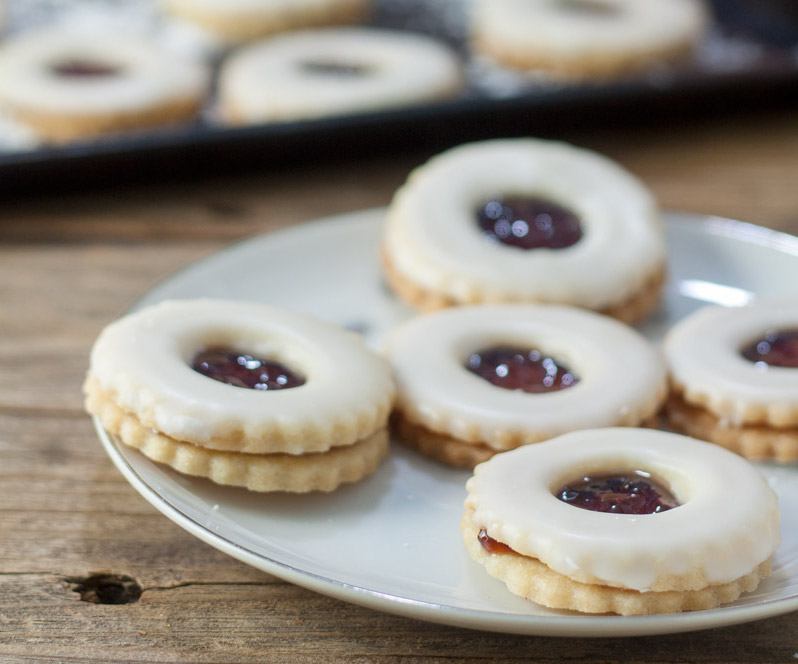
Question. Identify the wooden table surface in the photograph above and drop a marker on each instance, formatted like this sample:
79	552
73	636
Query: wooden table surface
71	264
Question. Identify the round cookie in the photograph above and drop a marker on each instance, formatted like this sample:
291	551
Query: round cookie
581	39
67	85
244	20
525	220
334	71
474	381
242	393
563	523
734	377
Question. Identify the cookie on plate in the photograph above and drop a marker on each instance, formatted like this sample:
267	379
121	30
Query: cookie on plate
627	521
333	71
243	393
586	39
72	84
236	21
734	377
525	220
475	381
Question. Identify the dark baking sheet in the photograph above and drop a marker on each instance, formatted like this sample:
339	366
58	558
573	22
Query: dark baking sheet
749	61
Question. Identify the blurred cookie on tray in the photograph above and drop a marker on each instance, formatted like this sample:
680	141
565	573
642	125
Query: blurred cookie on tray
334	71
580	40
237	21
67	84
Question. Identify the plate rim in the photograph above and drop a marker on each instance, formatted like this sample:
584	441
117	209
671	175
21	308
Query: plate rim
581	625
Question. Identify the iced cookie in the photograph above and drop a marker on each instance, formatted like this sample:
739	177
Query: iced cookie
243	20
474	381
67	85
581	39
318	73
242	393
525	220
734	375
627	521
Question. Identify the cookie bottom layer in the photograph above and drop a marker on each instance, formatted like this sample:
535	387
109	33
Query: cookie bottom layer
593	66
246	26
756	442
531	579
62	128
454	451
634	308
302	473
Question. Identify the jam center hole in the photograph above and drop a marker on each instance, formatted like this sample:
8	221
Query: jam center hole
334	69
776	348
589	7
528	222
244	370
83	68
622	493
526	369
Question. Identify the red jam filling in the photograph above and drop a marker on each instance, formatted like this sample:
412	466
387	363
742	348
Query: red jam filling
775	349
632	493
338	69
242	370
83	69
528	223
521	369
491	545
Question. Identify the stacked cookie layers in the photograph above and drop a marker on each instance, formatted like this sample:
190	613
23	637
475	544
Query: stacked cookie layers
625	521
242	393
525	220
734	377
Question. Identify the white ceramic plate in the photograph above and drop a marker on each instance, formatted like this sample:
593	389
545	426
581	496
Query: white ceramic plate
392	542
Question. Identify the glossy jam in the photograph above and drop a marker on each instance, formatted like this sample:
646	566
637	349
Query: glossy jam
243	370
336	69
628	493
83	69
776	348
524	369
528	223
491	545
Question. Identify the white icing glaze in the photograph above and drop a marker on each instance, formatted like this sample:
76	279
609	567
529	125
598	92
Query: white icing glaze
726	525
703	353
266	81
432	237
631	27
144	358
149	76
621	376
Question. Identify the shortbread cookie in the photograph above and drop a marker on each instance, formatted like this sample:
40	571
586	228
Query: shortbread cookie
734	375
473	381
297	473
525	220
67	85
229	390
583	39
243	20
319	73
629	521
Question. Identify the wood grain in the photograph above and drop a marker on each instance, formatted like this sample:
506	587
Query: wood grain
71	264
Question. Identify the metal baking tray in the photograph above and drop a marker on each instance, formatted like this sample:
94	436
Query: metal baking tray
749	61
